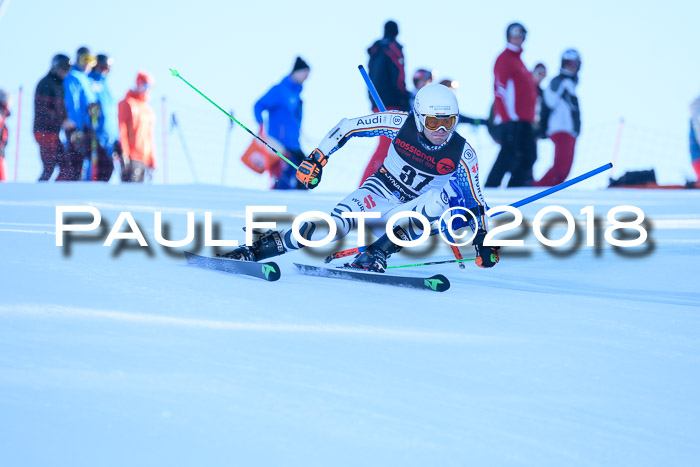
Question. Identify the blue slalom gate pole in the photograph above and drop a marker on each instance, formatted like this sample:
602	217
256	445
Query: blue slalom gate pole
559	187
372	89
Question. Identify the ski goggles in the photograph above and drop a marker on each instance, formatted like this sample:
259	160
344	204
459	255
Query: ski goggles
434	123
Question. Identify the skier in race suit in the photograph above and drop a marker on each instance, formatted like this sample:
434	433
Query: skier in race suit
428	169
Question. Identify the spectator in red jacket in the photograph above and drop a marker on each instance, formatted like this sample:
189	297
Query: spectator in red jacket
388	75
515	96
50	115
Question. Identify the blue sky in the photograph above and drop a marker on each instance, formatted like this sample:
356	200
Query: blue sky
640	63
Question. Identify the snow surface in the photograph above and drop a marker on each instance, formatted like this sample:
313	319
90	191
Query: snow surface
123	355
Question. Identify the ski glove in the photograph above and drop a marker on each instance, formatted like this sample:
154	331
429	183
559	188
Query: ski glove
309	171
486	256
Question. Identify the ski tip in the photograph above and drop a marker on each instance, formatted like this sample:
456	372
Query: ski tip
271	271
174	72
437	283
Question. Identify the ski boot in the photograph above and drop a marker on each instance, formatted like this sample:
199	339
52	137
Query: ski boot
269	244
374	258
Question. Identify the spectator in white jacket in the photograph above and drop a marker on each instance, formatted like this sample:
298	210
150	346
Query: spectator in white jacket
563	122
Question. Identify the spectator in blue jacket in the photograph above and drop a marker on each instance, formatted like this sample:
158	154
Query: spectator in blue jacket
80	102
284	111
107	130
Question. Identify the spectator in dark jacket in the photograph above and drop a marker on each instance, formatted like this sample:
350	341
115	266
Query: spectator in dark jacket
564	120
50	115
386	70
515	95
284	108
5	104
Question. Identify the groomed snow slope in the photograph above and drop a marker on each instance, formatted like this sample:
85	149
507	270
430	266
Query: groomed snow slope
115	356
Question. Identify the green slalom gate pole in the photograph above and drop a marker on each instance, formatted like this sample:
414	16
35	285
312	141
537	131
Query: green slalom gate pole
177	75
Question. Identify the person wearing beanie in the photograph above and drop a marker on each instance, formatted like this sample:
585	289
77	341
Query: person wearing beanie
563	123
283	106
515	97
81	109
50	115
5	104
386	70
107	130
300	64
136	123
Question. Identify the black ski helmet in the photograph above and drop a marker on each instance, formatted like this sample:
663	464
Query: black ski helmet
60	62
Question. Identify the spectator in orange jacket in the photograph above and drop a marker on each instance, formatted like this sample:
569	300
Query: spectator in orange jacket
136	119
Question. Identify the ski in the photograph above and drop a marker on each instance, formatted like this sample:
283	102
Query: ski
436	283
266	271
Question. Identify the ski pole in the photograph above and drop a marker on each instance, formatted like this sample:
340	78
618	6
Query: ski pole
226	148
556	188
460	261
372	90
176	74
93	166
